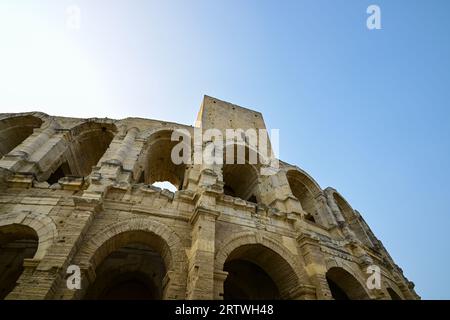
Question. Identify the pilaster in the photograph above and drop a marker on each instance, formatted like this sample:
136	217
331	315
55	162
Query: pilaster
315	265
201	256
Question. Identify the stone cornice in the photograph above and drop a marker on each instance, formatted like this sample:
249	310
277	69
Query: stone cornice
203	211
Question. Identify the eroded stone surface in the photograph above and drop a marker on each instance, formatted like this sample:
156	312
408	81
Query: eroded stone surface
81	190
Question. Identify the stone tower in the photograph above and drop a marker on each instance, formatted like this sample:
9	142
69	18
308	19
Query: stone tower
80	193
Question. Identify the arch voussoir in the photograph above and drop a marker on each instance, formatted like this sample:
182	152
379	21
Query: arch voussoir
43	225
288	272
118	234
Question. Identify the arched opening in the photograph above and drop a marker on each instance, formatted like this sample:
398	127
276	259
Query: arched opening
310	218
62	171
241	180
344	207
393	294
240	173
257	272
130	286
344	286
303	189
133	268
132	272
352	220
14	130
157	164
257	285
90	142
17	242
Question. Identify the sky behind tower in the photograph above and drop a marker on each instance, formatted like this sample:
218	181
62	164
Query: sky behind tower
364	111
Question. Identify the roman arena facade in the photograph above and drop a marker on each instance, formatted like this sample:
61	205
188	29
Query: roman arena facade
78	192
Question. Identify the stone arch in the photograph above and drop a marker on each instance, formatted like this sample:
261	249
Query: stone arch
144	231
344	283
124	141
345	208
306	179
155	164
15	128
285	272
350	267
354	220
243	180
18	243
88	142
305	189
44	227
146	134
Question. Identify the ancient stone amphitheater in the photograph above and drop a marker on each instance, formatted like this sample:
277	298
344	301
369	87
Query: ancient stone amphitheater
78	192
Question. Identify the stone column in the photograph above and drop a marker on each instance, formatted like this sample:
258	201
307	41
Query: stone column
201	275
219	280
14	160
48	157
121	153
281	196
315	265
324	211
112	169
32	143
201	256
334	207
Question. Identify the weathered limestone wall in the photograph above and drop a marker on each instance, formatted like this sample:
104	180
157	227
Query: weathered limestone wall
83	186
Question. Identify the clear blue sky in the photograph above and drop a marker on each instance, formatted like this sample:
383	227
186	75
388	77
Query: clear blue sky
366	112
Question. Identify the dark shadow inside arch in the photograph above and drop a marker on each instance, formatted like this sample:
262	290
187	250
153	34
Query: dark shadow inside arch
248	281
337	292
344	286
62	171
240	181
17	242
130	286
393	294
132	272
91	140
257	272
240	172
